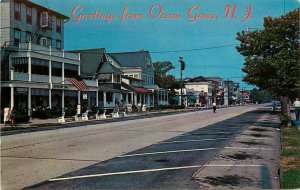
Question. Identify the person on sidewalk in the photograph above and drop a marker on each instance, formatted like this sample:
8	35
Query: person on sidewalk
297	108
214	107
13	117
6	115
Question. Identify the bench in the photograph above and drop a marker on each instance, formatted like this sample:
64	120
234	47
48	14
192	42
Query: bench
85	116
62	118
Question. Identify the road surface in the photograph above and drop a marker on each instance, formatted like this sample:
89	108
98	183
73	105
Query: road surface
162	152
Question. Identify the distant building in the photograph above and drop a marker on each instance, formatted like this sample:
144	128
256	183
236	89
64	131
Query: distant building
138	65
202	87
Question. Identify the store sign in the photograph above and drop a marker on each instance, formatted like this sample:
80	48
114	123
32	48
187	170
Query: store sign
22	90
84	96
60	86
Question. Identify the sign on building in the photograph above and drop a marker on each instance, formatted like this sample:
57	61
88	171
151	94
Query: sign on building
84	96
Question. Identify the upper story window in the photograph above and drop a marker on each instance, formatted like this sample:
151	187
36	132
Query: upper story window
117	78
58	25
49	42
17	11
71	70
28	37
17	37
58	44
29	15
45	20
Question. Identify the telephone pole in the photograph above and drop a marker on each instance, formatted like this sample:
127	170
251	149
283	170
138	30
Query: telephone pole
182	67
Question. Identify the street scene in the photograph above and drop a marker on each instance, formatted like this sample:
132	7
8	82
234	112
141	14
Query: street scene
149	94
173	151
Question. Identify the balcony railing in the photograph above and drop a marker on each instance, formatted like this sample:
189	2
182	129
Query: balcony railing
46	51
39	78
19	76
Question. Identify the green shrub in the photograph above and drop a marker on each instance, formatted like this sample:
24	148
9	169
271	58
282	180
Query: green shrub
21	118
285	119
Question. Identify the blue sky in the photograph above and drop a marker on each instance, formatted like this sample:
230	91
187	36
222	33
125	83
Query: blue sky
160	36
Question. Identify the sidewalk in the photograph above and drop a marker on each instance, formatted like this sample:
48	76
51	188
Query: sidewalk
50	124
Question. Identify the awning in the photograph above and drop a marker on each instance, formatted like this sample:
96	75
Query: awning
140	89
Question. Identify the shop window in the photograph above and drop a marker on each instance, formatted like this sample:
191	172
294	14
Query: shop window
17	11
109	96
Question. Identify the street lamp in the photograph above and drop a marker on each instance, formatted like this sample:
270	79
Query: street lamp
182	67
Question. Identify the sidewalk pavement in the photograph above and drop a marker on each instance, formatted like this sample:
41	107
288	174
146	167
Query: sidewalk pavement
54	121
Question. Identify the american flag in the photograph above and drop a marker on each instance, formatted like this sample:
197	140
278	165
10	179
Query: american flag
78	83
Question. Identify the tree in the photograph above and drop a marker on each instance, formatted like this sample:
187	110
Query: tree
160	75
259	96
272	56
163	80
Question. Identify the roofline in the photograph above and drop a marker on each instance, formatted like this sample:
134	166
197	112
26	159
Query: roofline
92	49
42	7
140	51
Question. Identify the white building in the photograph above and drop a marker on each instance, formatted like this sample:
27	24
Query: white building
34	66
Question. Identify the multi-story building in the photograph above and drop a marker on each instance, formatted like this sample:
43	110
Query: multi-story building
203	89
138	65
34	67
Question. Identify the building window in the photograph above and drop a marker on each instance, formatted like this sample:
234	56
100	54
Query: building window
58	44
45	20
50	22
39	66
58	25
17	11
44	41
29	15
17	37
28	37
71	70
49	42
56	68
20	64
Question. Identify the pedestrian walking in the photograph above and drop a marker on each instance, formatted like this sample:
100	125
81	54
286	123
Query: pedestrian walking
129	108
297	108
214	107
6	117
13	117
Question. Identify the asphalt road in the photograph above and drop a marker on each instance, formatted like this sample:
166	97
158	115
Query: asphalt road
162	152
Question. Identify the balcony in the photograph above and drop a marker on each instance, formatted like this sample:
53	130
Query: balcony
46	51
39	78
91	83
19	76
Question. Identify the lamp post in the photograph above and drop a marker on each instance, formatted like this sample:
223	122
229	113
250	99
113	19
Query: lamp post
182	66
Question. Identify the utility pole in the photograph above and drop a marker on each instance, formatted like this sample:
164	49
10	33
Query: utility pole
228	91
182	67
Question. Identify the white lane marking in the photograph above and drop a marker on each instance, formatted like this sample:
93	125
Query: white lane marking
150	170
245	148
166	152
167	142
211	133
240	137
127	172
